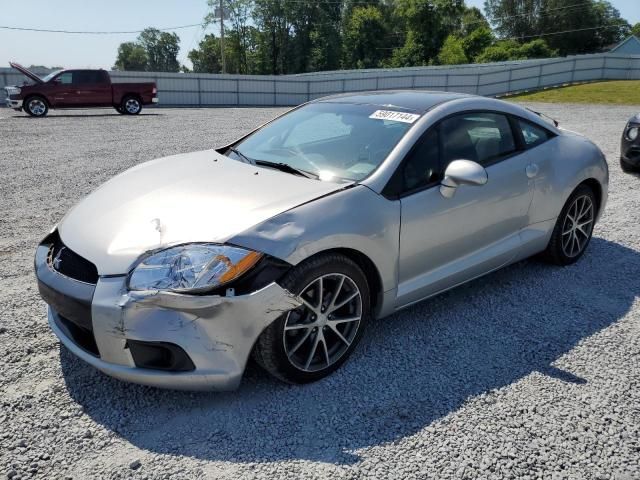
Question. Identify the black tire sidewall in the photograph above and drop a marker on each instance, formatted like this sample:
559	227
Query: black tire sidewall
554	250
28	110
271	342
124	103
628	168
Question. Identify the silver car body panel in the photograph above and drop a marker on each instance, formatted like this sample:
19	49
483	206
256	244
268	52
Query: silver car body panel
419	245
355	219
193	197
217	332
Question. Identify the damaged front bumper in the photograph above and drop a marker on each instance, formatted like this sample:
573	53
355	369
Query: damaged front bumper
139	336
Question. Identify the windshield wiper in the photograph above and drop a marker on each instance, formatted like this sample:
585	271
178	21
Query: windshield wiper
285	167
242	156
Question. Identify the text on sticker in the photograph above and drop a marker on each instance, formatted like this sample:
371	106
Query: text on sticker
394	116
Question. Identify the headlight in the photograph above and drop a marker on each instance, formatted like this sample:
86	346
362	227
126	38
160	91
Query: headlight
13	90
192	267
632	133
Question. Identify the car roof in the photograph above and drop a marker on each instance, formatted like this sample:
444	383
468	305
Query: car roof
418	101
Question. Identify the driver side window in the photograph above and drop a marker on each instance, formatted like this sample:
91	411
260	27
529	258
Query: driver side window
421	168
65	78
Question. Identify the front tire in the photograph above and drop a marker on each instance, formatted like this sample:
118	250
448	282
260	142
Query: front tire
574	227
312	341
36	106
119	109
628	168
131	105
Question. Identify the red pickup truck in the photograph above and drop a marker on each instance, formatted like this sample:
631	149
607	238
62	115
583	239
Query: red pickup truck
78	89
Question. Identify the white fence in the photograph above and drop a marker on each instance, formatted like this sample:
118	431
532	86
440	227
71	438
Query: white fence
491	79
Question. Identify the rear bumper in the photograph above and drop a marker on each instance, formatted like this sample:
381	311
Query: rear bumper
154	100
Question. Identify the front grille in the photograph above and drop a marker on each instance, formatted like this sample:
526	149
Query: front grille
65	261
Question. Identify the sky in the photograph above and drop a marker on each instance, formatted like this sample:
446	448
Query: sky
99	51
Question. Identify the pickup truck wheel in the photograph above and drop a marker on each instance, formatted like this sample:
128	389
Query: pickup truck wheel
119	110
36	106
131	105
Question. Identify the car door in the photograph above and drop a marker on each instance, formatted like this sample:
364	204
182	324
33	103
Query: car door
92	90
446	241
62	93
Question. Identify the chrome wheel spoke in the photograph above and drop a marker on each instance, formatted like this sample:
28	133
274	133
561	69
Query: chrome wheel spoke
344	320
296	327
306	303
331	305
324	347
312	352
300	342
334	329
316	322
344	302
577	226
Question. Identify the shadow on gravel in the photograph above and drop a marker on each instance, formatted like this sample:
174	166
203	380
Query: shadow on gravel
114	115
410	370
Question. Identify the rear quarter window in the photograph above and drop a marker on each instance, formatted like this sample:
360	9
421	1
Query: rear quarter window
533	135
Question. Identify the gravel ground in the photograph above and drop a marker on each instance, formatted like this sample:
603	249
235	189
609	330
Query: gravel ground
531	372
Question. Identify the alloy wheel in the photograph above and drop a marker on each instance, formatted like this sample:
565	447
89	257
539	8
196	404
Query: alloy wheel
132	105
577	226
37	107
322	329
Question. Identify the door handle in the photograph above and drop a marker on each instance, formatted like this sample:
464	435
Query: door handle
532	170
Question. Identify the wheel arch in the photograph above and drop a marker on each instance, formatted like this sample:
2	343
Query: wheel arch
135	95
596	187
38	95
368	267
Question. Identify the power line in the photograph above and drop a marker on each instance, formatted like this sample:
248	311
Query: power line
566	31
47	30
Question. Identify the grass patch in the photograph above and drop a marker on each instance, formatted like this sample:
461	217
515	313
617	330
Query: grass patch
623	92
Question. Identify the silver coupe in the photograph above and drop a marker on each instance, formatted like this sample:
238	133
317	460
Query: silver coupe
285	244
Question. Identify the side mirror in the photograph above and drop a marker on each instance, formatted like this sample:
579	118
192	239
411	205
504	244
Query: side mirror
462	172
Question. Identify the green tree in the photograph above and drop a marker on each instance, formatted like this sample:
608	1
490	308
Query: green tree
427	23
364	38
131	57
588	25
504	50
476	41
207	57
636	30
162	50
452	52
473	19
239	34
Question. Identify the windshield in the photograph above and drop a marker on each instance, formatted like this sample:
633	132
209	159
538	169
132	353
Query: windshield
333	141
51	75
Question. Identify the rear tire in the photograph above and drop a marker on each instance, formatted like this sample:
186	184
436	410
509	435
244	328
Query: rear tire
36	106
312	341
574	227
119	109
131	105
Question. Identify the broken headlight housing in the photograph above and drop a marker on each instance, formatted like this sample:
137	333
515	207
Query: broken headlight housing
191	268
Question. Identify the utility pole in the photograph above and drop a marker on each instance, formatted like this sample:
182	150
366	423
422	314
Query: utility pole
222	36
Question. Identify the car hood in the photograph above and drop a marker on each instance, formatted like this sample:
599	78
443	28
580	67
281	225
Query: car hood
26	72
193	197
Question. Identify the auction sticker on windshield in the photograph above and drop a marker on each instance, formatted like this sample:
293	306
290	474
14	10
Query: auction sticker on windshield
394	116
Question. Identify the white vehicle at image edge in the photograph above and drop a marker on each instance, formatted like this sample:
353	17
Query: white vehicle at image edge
286	243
